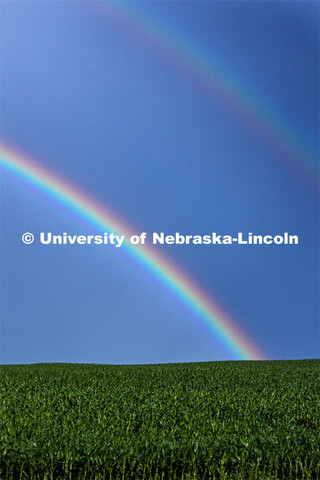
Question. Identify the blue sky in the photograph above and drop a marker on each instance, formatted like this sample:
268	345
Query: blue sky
98	105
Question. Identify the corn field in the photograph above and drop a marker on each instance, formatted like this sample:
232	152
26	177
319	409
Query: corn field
201	421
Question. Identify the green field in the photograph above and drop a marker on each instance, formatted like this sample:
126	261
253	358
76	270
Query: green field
216	420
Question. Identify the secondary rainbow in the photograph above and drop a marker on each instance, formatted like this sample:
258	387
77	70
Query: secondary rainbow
205	310
216	80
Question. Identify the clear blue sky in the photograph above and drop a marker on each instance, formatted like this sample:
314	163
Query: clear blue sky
98	105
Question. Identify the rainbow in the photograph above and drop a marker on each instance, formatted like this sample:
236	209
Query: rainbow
208	312
216	81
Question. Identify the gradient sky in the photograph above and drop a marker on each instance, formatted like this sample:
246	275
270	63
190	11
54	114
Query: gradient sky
104	108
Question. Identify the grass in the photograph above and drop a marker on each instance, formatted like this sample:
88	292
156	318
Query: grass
215	420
